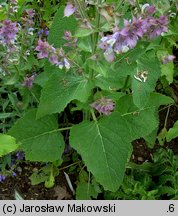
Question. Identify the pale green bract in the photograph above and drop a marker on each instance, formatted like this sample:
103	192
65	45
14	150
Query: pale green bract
8	144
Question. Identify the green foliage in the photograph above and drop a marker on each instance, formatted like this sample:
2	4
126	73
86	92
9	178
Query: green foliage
61	100
87	189
173	132
45	174
59	25
7	144
61	89
141	90
150	181
41	140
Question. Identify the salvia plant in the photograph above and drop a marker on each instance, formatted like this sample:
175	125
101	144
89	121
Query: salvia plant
102	59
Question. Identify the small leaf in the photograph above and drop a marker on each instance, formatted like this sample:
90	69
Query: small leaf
162	136
7	144
141	90
5	115
83	32
168	71
173	132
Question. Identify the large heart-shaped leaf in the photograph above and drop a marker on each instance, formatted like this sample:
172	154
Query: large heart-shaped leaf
60	89
40	138
105	145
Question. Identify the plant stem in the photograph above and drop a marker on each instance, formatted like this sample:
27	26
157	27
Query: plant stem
35	97
138	5
95	36
126	82
63	129
93	115
82	13
119	5
70	165
167	114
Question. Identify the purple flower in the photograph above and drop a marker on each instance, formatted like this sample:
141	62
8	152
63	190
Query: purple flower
126	38
109	55
43	48
168	58
104	105
66	63
69	10
30	13
28	81
67	35
155	27
14	2
8	32
53	58
150	9
14	174
43	32
2	178
20	155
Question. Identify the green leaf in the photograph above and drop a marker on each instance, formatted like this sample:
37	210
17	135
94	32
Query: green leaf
5	115
85	191
142	90
168	71
105	145
83	32
40	139
59	26
173	132
61	89
84	44
101	67
162	136
7	144
45	174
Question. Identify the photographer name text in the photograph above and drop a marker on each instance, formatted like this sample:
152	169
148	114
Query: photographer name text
109	208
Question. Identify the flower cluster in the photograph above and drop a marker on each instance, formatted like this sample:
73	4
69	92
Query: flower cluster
43	32
71	42
126	38
167	59
28	82
104	105
28	20
20	155
13	6
55	56
8	32
2	178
